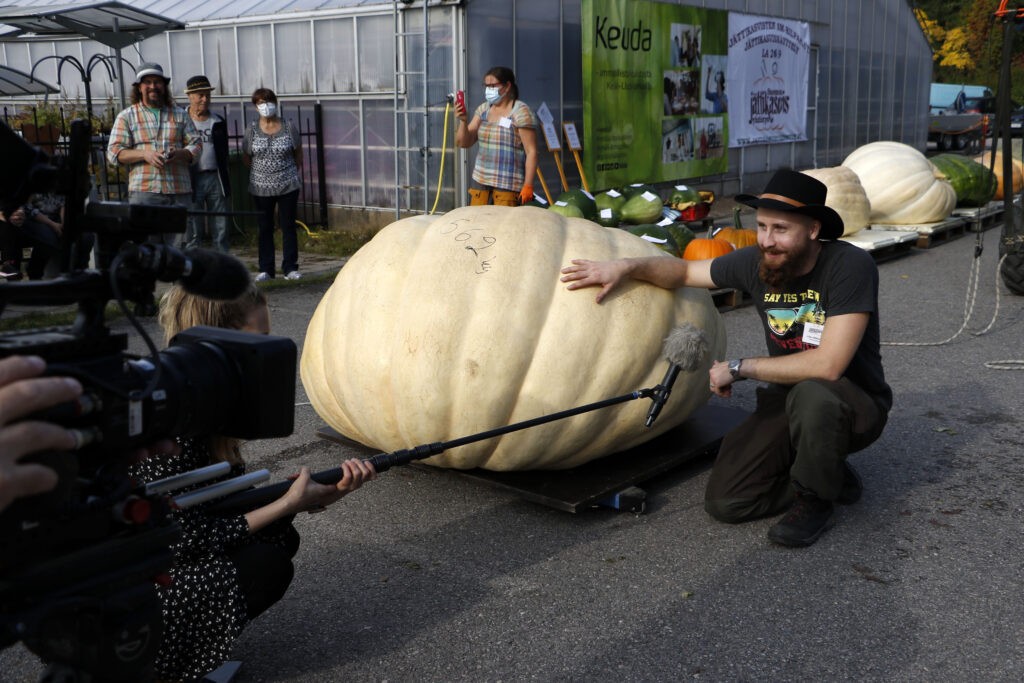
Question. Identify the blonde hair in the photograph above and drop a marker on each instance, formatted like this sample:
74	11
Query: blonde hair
180	310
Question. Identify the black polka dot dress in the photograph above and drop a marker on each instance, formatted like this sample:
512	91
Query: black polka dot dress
204	609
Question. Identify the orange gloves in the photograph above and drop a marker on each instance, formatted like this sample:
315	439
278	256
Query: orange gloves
526	194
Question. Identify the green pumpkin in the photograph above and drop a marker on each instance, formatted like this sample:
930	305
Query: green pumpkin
633	190
582	200
565	209
609	218
974	184
683	197
642	208
609	199
671	238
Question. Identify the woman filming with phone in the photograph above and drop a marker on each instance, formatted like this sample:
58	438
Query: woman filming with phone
506	161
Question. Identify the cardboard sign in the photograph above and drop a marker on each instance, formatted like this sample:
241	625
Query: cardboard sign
551	136
572	138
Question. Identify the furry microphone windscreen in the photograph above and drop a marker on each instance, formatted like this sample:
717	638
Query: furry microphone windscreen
685	346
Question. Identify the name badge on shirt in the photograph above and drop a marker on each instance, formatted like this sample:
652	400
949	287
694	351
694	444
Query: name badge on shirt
505	122
812	333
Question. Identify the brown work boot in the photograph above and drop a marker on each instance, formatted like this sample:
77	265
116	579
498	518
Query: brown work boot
807	519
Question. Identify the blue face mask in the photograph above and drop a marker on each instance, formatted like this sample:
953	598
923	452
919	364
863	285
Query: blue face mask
492	95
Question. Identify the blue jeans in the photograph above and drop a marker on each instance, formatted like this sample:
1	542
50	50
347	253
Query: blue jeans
208	197
159	199
286	204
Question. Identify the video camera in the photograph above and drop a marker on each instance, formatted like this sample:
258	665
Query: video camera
78	564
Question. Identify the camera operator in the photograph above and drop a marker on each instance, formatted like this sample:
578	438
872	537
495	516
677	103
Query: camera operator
22	392
228	570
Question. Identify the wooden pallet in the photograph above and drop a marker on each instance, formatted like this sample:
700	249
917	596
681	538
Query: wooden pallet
929	234
981	218
727	299
883	245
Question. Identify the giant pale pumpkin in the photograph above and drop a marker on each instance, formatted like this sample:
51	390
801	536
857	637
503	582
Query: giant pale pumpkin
447	326
904	188
846	196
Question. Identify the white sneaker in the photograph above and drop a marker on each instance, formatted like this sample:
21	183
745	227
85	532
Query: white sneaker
263	277
294	275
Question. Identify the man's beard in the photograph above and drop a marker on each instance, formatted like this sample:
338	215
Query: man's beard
155	98
778	276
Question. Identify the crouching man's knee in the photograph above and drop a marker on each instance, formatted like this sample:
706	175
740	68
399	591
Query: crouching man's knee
729	511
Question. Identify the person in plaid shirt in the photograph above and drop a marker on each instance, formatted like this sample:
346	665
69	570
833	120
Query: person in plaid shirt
505	128
157	141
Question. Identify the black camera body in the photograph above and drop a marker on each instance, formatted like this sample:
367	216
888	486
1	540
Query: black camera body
79	564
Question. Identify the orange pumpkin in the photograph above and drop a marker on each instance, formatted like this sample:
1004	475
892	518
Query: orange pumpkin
1016	167
737	235
706	247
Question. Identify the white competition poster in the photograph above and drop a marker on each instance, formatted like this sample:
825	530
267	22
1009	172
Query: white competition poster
769	64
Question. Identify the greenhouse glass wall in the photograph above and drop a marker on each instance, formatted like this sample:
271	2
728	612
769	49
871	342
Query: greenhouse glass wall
382	80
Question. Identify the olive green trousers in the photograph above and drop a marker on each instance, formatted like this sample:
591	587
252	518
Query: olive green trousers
796	439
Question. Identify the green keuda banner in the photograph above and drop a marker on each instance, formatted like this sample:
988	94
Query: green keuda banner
654	102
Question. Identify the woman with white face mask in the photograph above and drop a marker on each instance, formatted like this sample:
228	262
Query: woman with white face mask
273	151
506	161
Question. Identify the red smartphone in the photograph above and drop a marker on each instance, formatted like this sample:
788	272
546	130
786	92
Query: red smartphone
460	98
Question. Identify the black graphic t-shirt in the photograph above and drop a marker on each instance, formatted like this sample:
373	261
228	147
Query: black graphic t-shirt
844	280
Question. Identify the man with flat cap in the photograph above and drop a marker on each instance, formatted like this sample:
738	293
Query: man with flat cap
824	394
211	184
157	142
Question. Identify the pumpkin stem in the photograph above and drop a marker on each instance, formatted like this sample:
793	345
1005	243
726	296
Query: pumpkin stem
736	217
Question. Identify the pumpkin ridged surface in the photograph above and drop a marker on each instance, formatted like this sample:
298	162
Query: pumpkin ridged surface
846	196
417	341
706	247
903	187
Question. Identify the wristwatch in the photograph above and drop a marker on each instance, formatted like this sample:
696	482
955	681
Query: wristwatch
734	369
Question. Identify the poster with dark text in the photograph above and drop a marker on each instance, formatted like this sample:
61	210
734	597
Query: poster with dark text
769	63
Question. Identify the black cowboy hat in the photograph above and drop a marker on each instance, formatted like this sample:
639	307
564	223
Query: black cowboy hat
798	193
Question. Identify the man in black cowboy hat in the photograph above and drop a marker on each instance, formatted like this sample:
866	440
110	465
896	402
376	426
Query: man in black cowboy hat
825	394
211	184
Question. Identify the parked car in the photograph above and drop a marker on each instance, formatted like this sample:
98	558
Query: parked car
1017	121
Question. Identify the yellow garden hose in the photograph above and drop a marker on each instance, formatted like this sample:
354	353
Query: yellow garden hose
305	227
444	148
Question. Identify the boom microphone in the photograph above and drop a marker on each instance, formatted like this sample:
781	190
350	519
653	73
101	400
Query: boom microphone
202	272
215	275
684	348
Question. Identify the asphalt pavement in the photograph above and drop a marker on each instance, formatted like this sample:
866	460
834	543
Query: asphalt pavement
424	575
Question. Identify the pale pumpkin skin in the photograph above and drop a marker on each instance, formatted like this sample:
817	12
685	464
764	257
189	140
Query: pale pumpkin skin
447	326
904	188
845	196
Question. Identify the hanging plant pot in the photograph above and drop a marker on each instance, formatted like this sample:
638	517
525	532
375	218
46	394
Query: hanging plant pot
44	136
